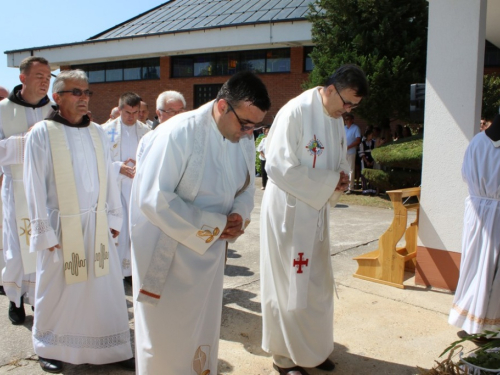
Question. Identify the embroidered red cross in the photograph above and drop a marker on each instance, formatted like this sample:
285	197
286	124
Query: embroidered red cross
301	262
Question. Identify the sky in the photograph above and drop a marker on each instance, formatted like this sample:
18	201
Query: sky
30	23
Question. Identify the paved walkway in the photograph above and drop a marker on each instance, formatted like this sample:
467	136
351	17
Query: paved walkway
378	329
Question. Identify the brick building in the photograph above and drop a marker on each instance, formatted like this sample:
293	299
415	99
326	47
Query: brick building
192	47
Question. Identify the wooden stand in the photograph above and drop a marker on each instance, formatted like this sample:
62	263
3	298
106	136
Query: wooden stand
387	264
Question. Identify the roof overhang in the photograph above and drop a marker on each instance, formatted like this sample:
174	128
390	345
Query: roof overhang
241	37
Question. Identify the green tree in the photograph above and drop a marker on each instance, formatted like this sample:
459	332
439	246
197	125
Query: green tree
491	96
386	38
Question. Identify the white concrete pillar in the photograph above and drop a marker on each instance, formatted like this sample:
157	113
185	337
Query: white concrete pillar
455	60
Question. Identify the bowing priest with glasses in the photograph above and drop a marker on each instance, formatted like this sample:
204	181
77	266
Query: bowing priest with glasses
308	171
193	192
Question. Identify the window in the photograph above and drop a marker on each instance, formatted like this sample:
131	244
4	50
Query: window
96	73
132	71
114	72
278	60
204	93
254	61
308	63
228	63
204	65
122	70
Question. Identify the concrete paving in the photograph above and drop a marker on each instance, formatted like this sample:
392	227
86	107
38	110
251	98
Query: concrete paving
379	330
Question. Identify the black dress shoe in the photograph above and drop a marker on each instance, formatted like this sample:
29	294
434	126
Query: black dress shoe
17	315
326	366
296	370
128	364
2	291
128	280
50	365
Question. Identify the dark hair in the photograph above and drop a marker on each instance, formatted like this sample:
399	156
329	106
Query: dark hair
129	98
25	65
349	76
349	115
245	86
368	131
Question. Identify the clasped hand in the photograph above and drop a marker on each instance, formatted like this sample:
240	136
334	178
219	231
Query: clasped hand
233	227
343	182
128	170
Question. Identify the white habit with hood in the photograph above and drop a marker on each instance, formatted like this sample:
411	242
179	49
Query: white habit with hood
85	322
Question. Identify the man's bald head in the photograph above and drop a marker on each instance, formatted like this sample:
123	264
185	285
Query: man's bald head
115	112
3	92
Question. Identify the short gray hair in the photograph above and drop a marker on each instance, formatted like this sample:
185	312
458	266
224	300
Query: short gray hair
68	75
169	96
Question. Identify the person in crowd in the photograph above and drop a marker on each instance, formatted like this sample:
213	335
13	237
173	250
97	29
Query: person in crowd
74	206
476	303
398	133
193	192
3	92
484	124
308	170
353	137
168	104
365	153
115	113
124	134
261	149
27	104
144	114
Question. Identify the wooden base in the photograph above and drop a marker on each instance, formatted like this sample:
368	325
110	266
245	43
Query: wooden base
400	286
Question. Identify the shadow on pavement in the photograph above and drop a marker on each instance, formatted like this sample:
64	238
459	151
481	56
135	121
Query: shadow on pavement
355	364
233	254
242	323
232	271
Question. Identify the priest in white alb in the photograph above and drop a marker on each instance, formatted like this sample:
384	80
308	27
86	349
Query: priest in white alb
476	305
27	104
74	204
193	192
124	134
307	170
168	104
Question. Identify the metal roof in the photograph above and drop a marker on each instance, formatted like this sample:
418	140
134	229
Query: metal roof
185	15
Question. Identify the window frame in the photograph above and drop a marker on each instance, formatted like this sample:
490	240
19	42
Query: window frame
221	58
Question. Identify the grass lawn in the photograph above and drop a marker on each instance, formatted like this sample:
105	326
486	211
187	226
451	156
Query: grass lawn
381	201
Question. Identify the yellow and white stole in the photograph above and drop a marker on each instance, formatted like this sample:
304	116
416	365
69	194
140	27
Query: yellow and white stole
14	122
75	262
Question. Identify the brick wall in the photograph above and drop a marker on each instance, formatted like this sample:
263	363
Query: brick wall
281	87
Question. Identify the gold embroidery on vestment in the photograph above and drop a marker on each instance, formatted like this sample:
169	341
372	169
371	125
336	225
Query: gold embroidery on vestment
200	362
210	234
26	231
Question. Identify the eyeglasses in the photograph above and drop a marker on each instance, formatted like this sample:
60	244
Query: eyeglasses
347	105
171	112
243	124
77	92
